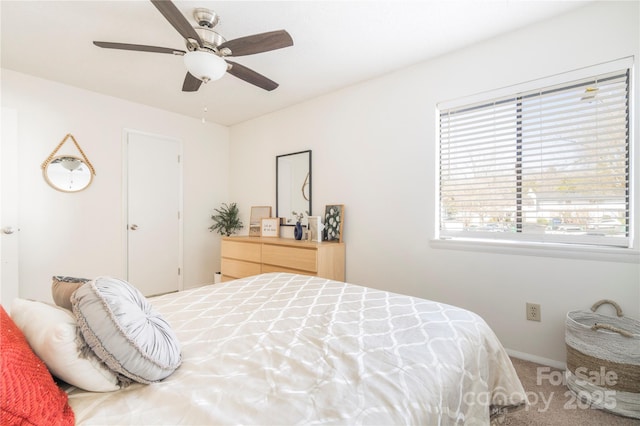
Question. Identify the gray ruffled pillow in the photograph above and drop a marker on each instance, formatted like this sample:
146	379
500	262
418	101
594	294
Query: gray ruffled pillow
124	330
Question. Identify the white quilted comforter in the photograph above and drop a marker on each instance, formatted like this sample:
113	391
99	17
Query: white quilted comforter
291	349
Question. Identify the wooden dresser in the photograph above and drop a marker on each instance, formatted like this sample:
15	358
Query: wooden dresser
245	256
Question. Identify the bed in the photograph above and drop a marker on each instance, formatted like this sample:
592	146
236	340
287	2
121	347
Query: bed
281	348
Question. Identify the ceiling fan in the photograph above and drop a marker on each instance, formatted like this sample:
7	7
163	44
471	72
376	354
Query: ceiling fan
207	50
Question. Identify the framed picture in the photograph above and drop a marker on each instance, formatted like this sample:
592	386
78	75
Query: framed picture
257	213
315	228
333	222
270	227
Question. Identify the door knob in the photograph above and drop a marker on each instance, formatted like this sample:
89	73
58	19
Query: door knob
133	227
8	230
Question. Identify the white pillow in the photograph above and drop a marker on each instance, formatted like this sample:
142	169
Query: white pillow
52	334
124	330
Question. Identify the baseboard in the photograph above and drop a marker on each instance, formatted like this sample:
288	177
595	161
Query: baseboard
195	286
537	359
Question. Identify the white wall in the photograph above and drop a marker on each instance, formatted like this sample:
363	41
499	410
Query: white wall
374	150
82	234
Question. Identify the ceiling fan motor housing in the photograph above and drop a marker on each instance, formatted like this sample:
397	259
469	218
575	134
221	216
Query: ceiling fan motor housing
206	18
210	39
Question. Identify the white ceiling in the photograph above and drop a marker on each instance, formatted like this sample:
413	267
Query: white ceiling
336	44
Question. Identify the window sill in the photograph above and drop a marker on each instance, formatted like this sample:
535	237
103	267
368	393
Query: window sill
604	254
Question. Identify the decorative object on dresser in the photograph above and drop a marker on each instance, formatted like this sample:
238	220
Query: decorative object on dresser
333	222
315	228
246	256
257	214
270	227
227	220
297	233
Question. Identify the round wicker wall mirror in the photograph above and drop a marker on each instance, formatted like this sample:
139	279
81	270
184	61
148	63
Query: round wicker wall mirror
67	174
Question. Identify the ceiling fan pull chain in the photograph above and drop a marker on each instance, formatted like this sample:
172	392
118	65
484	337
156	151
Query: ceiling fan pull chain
84	157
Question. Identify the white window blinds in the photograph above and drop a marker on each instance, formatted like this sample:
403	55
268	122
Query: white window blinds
546	165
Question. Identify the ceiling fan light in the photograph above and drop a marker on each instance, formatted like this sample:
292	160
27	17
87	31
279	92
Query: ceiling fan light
205	66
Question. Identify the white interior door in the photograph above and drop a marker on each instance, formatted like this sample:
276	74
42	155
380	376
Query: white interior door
9	208
154	204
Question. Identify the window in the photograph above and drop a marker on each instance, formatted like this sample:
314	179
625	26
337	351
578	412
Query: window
549	165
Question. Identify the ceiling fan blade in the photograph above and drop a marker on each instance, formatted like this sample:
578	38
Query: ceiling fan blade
258	43
177	19
191	84
250	76
138	47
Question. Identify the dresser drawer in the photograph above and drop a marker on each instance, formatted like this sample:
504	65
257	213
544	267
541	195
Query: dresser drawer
240	250
275	268
299	258
239	269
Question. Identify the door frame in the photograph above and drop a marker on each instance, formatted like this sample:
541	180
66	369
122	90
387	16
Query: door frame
9	208
125	201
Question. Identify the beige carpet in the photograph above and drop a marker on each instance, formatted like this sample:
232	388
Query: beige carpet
553	404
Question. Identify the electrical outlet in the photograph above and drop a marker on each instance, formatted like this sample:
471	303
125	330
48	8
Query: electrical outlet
533	312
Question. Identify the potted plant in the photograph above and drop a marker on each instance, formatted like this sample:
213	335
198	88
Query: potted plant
227	220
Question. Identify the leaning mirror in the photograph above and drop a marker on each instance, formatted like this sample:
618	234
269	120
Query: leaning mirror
293	186
67	174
